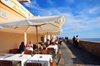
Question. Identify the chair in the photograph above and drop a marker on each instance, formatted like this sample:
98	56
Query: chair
56	63
45	51
51	50
52	64
33	64
58	59
18	51
8	63
12	51
28	52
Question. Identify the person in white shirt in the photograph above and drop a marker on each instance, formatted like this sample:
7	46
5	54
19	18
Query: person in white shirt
30	44
77	41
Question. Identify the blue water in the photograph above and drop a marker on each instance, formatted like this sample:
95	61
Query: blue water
91	39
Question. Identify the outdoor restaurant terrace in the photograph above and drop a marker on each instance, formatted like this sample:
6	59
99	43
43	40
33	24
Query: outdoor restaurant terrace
40	54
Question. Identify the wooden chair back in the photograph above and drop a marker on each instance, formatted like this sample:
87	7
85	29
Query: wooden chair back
52	64
18	51
45	51
28	52
5	63
51	50
12	51
33	64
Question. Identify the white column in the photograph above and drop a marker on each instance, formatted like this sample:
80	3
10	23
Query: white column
25	38
44	38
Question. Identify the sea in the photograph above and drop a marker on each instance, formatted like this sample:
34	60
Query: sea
91	39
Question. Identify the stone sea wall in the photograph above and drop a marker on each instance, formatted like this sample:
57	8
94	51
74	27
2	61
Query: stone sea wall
90	46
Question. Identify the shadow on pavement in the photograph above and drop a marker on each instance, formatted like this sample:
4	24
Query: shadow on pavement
86	58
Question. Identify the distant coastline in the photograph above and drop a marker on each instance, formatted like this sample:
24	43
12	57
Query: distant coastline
91	39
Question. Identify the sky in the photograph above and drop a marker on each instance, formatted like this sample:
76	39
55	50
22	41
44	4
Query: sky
82	16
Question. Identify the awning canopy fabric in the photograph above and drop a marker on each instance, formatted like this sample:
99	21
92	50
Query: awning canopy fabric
53	32
28	25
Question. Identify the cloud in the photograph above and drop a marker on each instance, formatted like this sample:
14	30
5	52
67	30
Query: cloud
94	10
98	17
50	2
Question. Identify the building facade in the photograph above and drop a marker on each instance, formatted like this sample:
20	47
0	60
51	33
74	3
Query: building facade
13	10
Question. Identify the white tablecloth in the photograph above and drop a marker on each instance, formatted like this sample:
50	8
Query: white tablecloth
17	57
5	55
53	46
29	48
44	60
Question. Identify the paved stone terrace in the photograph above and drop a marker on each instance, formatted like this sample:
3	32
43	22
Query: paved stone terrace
72	56
61	62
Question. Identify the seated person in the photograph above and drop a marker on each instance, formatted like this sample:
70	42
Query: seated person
40	44
34	46
51	42
56	42
60	42
47	42
30	44
22	47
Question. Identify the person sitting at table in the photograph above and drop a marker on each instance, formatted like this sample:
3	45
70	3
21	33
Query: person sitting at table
22	47
30	44
56	41
47	42
52	42
60	42
34	46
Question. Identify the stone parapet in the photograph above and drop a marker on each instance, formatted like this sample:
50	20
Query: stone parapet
90	46
70	41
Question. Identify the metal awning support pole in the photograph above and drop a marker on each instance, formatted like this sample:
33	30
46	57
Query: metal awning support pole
37	37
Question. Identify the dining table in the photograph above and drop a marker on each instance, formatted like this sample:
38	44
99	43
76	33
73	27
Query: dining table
19	57
5	55
41	58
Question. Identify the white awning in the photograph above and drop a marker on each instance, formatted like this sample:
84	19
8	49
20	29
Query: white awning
28	25
52	32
